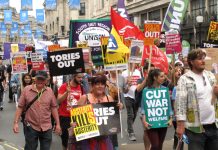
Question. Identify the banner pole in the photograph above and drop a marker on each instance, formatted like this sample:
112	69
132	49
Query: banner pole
117	83
149	61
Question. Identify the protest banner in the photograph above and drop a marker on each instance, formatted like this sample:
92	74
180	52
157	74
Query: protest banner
19	62
66	61
37	61
158	59
209	44
173	43
7	49
213	31
174	16
86	122
157	106
89	30
137	47
96	54
112	61
152	31
4	4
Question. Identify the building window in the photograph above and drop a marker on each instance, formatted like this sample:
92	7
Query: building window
143	18
164	12
154	15
82	10
213	7
197	8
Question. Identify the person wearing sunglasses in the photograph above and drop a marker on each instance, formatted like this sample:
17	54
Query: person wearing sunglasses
196	112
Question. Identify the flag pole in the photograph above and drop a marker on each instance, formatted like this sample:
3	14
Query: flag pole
120	111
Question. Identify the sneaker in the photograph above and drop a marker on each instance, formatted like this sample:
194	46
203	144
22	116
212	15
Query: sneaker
132	137
1	107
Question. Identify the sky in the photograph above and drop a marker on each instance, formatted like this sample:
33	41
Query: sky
37	4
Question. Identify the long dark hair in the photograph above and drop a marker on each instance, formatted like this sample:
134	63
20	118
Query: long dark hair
151	75
23	81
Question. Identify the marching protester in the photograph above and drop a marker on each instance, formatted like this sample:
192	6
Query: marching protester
156	135
26	80
141	83
38	102
68	95
131	76
96	95
114	79
196	104
174	79
2	83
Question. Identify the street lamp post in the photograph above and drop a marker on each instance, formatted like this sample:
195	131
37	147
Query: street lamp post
200	20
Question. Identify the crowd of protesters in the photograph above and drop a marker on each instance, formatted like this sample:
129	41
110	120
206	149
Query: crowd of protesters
193	93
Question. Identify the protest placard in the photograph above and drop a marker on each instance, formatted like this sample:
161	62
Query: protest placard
173	43
87	58
107	118
37	61
137	47
19	62
152	31
96	54
112	61
96	120
157	106
55	47
66	61
213	31
86	123
14	48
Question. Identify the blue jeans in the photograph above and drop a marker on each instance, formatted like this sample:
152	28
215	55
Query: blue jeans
207	140
32	136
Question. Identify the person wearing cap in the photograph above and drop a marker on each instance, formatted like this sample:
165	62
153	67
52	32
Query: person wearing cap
196	104
69	94
37	120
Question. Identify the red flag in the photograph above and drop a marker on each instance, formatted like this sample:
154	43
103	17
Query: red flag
158	59
124	27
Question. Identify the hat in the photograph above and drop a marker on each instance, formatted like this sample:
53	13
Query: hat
41	75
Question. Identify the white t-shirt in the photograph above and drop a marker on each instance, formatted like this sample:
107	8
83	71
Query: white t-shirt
134	78
204	97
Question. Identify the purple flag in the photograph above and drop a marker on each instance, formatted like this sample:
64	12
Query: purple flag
122	9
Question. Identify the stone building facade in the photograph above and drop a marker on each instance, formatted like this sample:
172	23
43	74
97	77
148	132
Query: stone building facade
57	22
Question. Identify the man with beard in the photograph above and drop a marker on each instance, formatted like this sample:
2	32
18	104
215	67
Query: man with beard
68	95
196	104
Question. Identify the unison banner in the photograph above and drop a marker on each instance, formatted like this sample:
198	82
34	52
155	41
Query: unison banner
50	4
157	106
26	5
74	4
66	61
4	4
96	119
174	15
89	30
40	16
